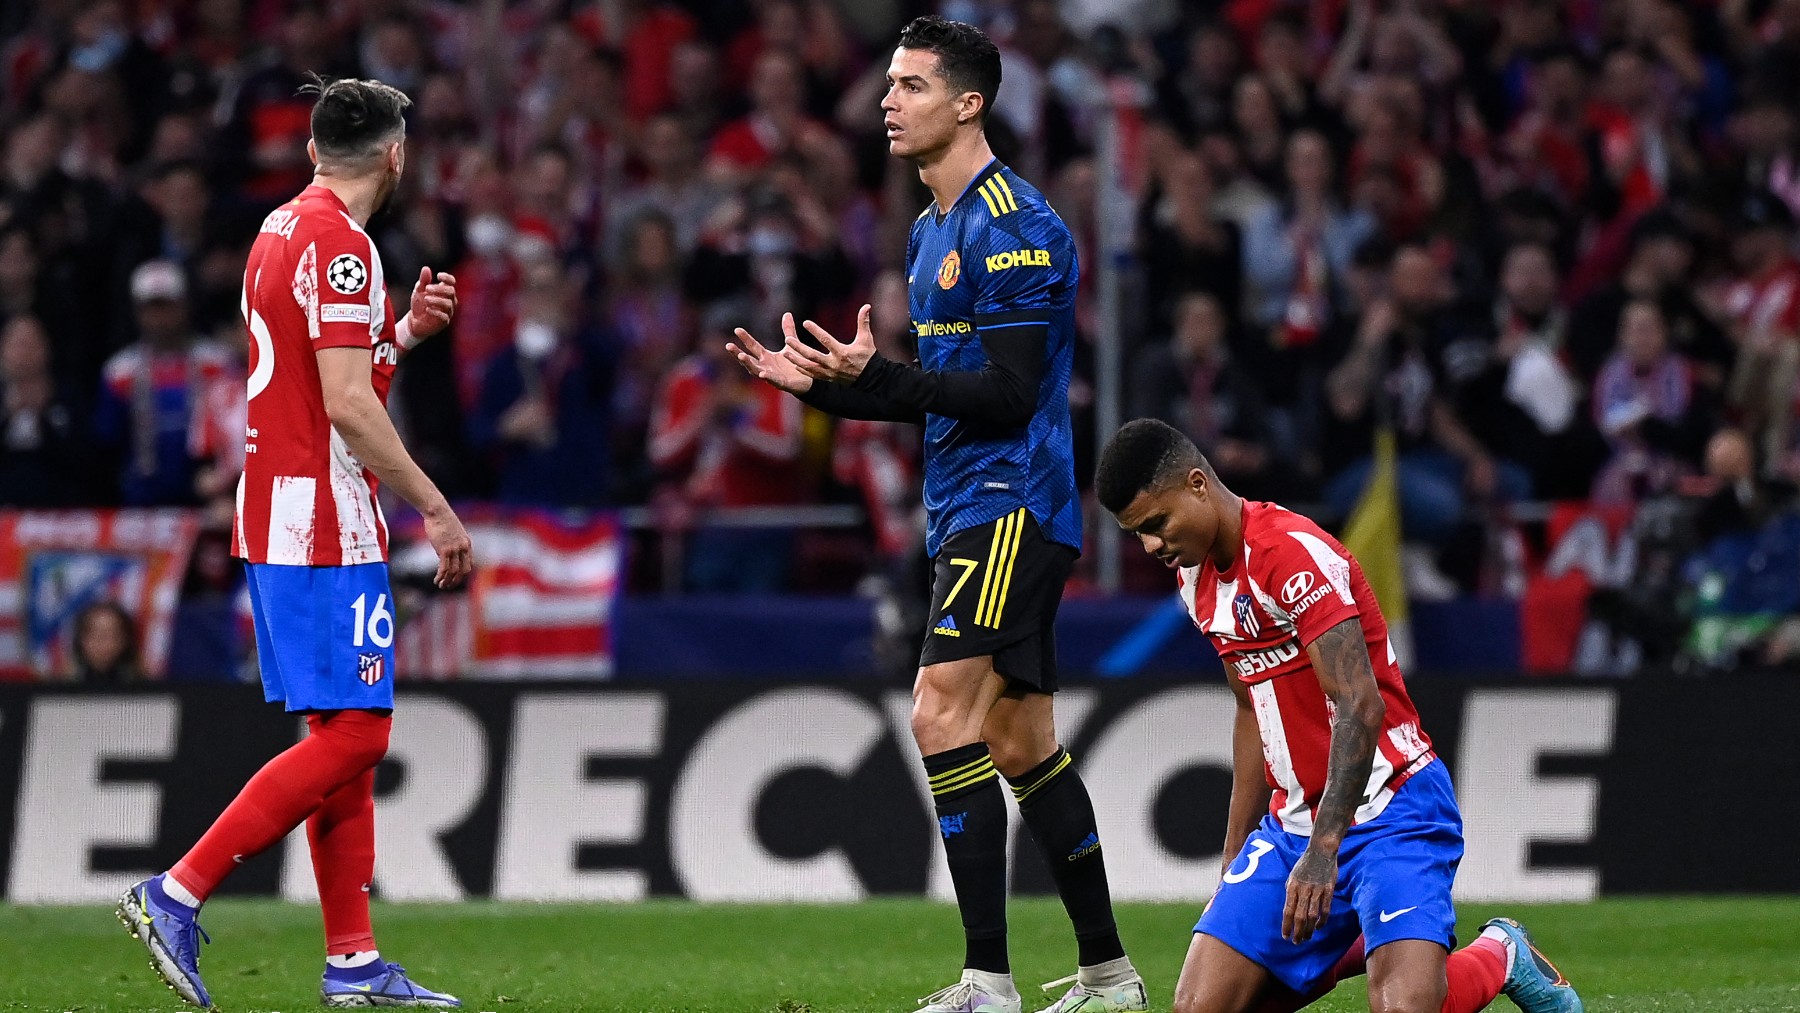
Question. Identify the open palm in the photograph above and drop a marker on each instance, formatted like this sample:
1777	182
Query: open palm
772	368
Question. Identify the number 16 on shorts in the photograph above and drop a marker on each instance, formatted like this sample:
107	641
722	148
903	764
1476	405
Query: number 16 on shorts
325	635
379	625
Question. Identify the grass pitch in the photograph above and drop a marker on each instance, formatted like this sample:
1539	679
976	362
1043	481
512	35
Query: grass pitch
1697	955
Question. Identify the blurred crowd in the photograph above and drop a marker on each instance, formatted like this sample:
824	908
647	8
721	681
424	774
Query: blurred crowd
1549	245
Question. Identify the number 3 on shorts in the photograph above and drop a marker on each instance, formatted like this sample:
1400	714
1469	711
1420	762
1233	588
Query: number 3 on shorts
380	622
1257	850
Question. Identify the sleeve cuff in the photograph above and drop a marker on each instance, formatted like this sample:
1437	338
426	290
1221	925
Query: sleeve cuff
1318	626
1039	315
875	373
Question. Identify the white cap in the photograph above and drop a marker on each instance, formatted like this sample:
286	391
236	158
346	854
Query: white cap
158	279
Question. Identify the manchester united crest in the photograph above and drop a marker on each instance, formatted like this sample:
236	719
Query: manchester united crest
949	270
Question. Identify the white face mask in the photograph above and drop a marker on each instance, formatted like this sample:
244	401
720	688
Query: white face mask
487	235
534	339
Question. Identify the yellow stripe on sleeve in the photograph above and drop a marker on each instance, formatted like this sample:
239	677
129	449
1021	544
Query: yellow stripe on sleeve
1012	203
993	209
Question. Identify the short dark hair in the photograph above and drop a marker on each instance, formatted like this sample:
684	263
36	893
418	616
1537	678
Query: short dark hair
353	120
1145	454
968	59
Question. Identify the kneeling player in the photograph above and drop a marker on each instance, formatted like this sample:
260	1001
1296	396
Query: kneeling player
1362	835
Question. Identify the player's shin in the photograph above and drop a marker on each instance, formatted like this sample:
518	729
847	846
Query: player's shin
971	816
342	839
1476	974
281	795
1056	807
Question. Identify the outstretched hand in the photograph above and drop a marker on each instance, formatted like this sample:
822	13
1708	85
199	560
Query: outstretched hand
839	362
772	368
433	303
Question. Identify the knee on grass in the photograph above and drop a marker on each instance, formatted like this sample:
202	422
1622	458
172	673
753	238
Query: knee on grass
1405	997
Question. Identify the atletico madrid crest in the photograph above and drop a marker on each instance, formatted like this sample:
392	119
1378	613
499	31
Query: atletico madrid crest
1246	616
370	667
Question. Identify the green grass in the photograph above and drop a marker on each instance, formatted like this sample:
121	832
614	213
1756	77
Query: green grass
1733	954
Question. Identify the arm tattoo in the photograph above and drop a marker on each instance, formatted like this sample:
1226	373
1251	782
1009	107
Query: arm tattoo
1342	660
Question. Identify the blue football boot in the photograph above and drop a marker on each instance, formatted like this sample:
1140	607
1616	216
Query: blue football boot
379	983
1532	982
172	933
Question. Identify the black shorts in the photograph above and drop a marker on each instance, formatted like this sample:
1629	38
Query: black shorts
994	592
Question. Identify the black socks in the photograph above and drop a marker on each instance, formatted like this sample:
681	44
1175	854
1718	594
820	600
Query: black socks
971	816
1059	813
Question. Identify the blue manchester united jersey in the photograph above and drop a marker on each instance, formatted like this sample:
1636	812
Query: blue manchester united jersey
1001	257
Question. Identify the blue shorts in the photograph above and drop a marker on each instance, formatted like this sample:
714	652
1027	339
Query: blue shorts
1394	877
324	635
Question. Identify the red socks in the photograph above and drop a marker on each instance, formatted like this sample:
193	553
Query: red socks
342	836
1476	972
341	749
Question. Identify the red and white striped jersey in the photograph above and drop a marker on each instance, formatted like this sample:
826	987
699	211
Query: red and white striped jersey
314	281
1291	583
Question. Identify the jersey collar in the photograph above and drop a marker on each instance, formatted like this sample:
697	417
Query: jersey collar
325	193
988	171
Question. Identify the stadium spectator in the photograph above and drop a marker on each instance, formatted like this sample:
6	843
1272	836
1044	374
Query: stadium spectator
1195	92
150	391
1194	383
46	459
1256	114
68	219
1237	197
1546	145
1536	143
1649	408
777	123
542	415
104	647
1766	131
649	325
1639	154
695	85
723	439
646	35
1286	65
1745	603
263	144
1762	312
216	439
1187	246
1295	253
27	290
764	252
673	184
1542	427
1396	375
390	50
1661	267
821	185
556	205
